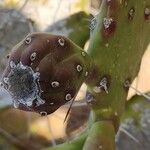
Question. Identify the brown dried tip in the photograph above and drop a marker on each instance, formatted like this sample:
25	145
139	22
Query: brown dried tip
44	72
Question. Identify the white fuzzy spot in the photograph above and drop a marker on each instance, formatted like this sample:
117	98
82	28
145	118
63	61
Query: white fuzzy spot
52	103
83	54
39	101
107	22
16	104
147	11
20	65
55	84
36	75
131	13
103	83
79	68
126	84
86	74
116	114
12	64
61	41
28	40
6	80
37	69
43	113
33	56
68	97
29	103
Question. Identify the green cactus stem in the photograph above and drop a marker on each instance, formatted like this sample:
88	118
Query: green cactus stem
76	144
101	136
117	49
117	45
81	26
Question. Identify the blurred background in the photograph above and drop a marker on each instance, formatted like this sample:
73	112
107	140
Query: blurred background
21	130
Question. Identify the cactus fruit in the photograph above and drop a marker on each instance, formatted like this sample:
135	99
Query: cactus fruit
44	72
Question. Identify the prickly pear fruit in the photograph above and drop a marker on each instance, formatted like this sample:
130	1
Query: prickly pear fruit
44	72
